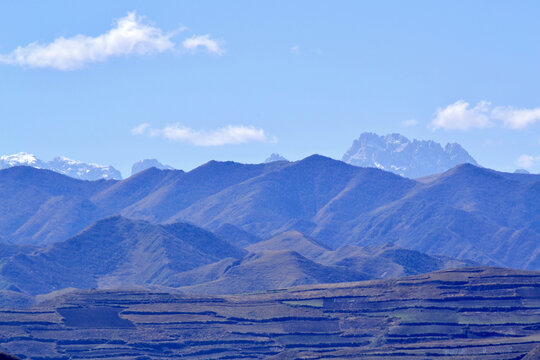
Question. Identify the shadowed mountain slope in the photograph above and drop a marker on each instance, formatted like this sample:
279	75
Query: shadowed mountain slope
467	212
276	201
267	270
115	252
388	261
291	240
39	206
236	236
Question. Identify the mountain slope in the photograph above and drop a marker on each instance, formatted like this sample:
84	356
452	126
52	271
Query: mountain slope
388	261
267	270
41	206
412	159
115	252
293	241
467	212
236	236
292	196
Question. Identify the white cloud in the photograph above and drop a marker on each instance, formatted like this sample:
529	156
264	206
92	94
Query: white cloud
140	129
460	116
231	134
295	49
203	41
130	36
516	118
409	123
527	161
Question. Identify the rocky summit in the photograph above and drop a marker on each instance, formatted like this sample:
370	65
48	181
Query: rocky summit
412	159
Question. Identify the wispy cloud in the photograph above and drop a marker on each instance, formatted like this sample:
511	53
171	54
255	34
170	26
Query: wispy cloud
295	49
409	123
527	161
516	118
140	129
203	41
130	36
462	116
231	134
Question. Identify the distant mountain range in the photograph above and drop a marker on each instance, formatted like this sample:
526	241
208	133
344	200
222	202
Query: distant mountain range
148	163
393	152
275	157
412	159
467	212
122	253
62	165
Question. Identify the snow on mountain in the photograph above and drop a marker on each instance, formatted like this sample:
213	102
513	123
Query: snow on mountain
275	157
62	165
148	163
412	159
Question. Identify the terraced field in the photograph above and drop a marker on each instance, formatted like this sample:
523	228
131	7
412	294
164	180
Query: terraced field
474	313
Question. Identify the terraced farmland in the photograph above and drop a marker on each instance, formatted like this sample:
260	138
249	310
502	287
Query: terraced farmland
473	313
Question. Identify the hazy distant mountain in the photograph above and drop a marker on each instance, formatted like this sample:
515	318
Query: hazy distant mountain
148	163
467	212
412	159
389	261
62	165
275	157
521	171
115	252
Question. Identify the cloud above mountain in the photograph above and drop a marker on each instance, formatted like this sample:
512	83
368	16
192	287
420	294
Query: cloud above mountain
462	116
203	41
130	36
230	134
527	161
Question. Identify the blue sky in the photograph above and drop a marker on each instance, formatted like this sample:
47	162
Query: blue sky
116	82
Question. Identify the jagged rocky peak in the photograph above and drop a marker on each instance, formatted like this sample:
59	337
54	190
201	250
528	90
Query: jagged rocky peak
148	163
275	157
412	159
62	165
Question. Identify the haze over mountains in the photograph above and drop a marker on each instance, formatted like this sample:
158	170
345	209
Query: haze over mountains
120	253
467	212
412	159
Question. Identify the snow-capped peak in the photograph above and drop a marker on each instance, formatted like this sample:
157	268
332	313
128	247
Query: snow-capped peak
62	165
21	158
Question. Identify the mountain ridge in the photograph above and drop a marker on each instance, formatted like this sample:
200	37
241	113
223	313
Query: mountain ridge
467	212
412	159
